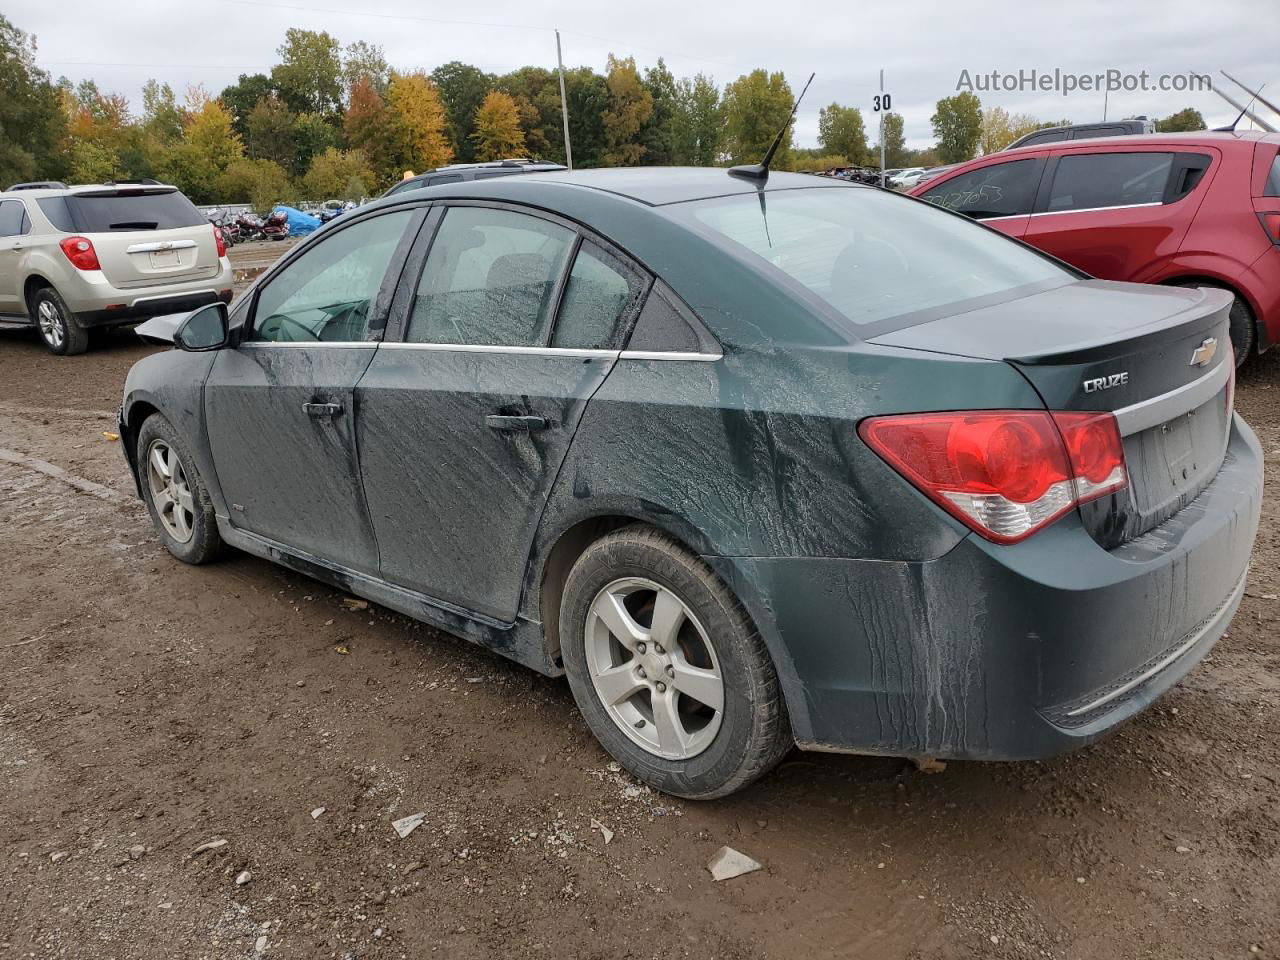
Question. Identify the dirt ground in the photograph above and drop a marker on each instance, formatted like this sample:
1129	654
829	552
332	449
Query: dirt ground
147	707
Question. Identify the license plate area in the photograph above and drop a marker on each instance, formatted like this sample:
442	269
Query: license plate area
165	258
1170	463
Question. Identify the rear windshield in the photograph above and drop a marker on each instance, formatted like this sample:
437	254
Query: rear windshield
871	255
137	211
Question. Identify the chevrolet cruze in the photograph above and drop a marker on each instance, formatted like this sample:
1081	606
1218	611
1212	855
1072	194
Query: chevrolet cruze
755	462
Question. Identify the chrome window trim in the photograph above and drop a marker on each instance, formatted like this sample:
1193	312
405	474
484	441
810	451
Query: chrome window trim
498	348
338	344
669	355
1156	410
158	245
1120	206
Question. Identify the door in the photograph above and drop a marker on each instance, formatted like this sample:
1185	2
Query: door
280	405
1106	214
14	226
1001	195
463	425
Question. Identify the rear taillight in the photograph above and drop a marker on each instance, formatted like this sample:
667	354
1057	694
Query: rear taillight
1271	224
1003	473
222	243
80	252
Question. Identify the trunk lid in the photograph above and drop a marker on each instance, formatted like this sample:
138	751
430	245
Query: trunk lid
145	236
1159	358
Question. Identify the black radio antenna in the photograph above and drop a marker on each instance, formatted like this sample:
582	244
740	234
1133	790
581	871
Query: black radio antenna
1243	110
760	171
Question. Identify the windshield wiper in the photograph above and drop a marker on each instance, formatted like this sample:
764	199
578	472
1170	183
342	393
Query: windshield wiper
133	225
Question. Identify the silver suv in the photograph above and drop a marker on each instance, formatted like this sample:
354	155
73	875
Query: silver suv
74	258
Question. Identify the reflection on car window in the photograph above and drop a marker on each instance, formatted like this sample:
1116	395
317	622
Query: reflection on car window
325	295
1000	190
13	217
594	298
871	255
1088	181
488	279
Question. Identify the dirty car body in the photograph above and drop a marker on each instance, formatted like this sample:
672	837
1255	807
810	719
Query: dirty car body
757	393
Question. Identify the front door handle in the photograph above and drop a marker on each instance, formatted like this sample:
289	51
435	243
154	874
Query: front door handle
523	423
322	409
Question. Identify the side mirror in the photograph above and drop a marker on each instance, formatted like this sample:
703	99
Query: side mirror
204	329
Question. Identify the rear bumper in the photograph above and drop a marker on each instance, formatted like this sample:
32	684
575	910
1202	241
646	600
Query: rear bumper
98	303
1005	652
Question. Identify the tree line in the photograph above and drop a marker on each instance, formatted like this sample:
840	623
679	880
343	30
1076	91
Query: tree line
332	121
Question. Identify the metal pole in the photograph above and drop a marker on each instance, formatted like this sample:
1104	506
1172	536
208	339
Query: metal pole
564	107
882	113
1106	97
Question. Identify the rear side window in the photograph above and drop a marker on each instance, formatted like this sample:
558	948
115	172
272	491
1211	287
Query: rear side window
445	178
489	279
665	326
1091	181
598	292
55	209
94	213
13	218
1000	190
1273	181
1049	136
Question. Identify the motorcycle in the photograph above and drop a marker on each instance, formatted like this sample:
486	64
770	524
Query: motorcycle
215	217
250	226
276	226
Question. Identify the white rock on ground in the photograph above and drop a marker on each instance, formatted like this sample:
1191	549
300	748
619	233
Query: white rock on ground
317	813
406	825
244	877
729	863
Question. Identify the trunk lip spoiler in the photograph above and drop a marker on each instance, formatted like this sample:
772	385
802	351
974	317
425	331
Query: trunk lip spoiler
1163	407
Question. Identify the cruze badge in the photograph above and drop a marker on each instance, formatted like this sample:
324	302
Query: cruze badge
1106	383
1204	353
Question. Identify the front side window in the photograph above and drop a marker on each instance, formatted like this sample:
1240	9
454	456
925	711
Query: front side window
1000	190
489	279
326	294
872	256
1090	181
596	295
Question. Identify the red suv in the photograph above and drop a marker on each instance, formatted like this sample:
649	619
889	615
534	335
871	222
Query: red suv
1197	209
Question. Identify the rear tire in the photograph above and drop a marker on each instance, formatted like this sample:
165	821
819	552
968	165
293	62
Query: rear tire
1243	327
61	332
175	494
657	721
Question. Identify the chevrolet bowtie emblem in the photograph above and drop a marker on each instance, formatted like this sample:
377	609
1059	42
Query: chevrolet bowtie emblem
1205	352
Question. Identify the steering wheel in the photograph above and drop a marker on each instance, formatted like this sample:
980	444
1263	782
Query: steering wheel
282	322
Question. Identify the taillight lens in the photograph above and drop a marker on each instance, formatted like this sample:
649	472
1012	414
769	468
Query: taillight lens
80	252
1003	473
222	243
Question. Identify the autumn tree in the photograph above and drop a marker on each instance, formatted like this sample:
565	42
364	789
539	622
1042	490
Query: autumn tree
366	61
1000	128
269	132
497	131
209	146
895	142
629	107
841	132
1186	120
418	122
339	175
262	183
756	106
957	123
367	126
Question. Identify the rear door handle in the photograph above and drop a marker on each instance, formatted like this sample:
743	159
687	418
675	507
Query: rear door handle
322	409
527	424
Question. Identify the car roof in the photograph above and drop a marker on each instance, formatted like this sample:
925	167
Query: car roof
659	186
83	188
1202	138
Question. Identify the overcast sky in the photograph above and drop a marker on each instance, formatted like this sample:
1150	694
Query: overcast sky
922	46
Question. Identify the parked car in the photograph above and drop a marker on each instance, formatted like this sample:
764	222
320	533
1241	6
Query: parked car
465	172
932	173
752	463
1188	209
77	258
1139	126
899	180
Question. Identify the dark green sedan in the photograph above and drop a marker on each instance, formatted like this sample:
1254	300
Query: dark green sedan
754	463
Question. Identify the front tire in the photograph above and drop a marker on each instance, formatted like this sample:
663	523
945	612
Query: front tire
175	494
667	668
61	332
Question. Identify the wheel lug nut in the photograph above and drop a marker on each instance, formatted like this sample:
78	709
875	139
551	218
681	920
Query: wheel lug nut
657	648
671	671
640	672
640	648
662	687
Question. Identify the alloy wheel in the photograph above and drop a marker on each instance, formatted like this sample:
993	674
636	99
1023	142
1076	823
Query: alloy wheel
654	668
53	327
170	491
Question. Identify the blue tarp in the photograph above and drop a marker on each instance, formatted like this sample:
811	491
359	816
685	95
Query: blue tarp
300	224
